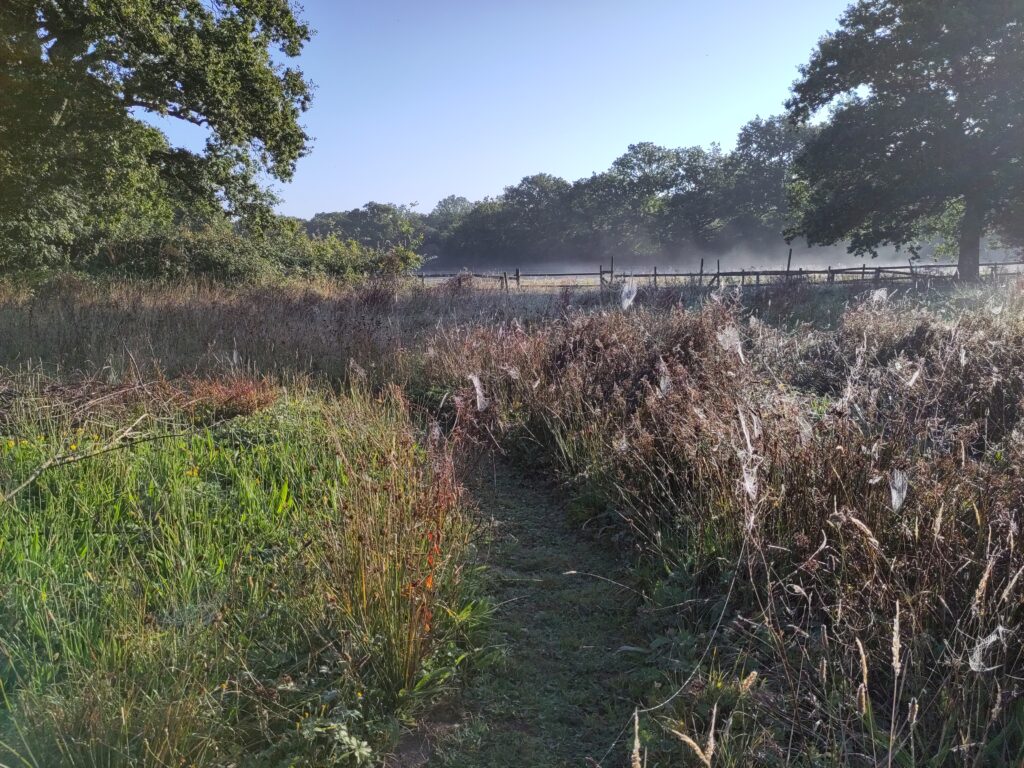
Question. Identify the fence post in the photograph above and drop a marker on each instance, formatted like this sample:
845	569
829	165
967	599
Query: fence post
611	272
600	277
743	277
504	280
718	274
789	263
863	272
700	280
518	286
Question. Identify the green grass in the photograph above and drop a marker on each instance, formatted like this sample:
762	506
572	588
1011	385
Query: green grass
272	589
559	677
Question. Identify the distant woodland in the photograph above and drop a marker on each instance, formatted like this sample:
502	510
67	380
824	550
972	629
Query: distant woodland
654	205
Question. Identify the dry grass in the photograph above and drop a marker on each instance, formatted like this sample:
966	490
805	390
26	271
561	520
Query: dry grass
859	489
137	329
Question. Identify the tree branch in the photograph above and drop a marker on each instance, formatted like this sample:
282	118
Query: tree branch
176	112
116	444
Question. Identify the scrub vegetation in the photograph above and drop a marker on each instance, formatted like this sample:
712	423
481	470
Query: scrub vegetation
823	522
807	497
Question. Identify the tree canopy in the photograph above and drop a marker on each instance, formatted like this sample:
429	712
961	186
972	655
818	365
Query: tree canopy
75	157
927	115
923	141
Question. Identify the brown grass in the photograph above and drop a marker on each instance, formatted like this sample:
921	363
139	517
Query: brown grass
776	466
137	329
218	399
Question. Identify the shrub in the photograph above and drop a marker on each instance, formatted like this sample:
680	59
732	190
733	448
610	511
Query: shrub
225	252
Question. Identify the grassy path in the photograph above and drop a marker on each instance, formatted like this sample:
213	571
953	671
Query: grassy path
557	695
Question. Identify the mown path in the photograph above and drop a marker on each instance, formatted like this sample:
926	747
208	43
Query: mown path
558	695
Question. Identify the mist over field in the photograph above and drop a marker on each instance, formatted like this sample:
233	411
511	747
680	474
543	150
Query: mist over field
760	257
738	258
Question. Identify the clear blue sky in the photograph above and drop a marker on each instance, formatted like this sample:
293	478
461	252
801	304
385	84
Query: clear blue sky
417	100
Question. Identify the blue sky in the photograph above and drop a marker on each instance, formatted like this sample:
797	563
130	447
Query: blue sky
418	100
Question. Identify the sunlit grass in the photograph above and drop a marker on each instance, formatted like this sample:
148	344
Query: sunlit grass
271	588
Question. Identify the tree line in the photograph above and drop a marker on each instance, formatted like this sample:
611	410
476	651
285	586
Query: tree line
654	205
905	129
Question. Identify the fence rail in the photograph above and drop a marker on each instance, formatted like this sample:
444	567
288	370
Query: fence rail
743	277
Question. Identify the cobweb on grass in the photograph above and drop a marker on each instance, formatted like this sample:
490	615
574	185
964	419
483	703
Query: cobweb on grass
898	484
628	295
481	400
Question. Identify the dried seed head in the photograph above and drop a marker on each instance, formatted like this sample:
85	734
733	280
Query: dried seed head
979	594
863	528
897	648
709	750
1011	585
863	663
634	758
748	683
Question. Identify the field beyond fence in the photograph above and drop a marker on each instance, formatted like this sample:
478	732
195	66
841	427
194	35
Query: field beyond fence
912	272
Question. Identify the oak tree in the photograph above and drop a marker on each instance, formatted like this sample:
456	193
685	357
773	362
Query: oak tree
927	106
75	77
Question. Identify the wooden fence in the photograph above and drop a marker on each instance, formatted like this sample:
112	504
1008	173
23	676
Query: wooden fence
865	274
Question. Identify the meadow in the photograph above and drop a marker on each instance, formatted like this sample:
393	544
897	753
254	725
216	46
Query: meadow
236	532
220	571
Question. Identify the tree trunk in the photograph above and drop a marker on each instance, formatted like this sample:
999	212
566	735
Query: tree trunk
972	228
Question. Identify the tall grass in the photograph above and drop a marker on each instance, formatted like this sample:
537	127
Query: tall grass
835	510
822	501
281	327
219	573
